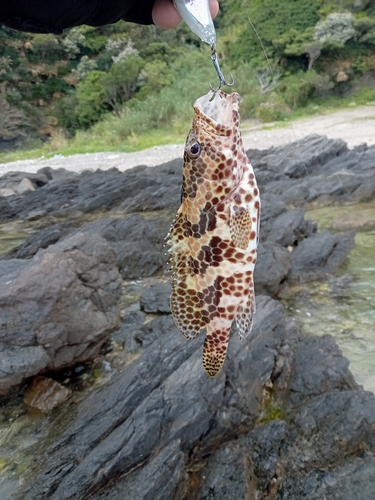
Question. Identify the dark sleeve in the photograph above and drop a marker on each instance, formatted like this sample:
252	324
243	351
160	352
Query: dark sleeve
48	16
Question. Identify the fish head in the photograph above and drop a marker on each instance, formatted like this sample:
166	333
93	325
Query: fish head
214	157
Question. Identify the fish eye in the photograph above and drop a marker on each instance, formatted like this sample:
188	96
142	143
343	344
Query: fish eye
193	150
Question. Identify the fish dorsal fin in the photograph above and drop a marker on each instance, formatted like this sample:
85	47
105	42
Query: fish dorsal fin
240	226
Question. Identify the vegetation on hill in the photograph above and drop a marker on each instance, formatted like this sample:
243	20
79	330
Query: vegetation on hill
110	86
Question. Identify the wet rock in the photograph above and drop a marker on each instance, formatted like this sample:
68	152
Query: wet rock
57	308
156	299
45	394
347	222
40	240
340	286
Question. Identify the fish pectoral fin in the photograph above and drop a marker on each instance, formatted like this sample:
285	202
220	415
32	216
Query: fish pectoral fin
214	351
244	318
240	226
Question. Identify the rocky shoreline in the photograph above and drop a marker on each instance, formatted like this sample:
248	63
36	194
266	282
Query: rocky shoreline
284	420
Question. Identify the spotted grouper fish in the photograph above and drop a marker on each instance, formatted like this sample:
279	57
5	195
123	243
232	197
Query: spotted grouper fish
213	239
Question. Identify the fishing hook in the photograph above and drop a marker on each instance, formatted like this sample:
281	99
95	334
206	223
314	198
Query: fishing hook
222	80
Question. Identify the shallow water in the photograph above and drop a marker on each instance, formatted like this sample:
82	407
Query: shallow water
345	307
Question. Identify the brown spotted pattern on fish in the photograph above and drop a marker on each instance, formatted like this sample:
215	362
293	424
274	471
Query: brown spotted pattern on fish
213	239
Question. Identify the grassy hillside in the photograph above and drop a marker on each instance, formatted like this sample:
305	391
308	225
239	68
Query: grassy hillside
126	86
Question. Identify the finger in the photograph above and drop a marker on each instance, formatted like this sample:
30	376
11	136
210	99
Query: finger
166	16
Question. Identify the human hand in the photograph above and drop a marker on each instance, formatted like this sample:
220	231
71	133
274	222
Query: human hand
166	16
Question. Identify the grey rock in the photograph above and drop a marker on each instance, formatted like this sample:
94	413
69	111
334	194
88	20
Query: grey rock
149	482
156	299
164	397
5	192
329	370
38	241
319	255
57	308
137	241
226	475
24	186
273	264
289	228
264	444
315	170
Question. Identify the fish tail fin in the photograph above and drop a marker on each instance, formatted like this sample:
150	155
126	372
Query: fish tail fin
215	350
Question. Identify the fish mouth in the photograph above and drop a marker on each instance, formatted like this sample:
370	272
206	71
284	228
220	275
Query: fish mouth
221	110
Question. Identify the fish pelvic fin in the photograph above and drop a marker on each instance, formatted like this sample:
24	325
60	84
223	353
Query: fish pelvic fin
244	317
240	226
214	351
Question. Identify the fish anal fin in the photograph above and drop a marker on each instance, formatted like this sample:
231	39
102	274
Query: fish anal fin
214	351
240	226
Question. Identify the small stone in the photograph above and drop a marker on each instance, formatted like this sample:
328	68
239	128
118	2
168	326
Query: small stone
45	394
24	186
7	192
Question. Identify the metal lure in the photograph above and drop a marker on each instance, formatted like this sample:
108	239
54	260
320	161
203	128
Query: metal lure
197	15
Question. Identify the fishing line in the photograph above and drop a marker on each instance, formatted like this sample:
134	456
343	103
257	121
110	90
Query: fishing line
245	4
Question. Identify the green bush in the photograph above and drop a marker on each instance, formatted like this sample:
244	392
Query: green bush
90	103
121	82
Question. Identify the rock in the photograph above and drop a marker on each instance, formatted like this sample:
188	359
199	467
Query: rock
226	475
7	192
163	429
138	242
271	270
156	299
36	214
264	444
45	394
143	414
58	308
315	170
319	255
24	186
346	222
6	212
329	370
289	228
37	241
138	189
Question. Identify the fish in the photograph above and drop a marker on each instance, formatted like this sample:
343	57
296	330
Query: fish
214	236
